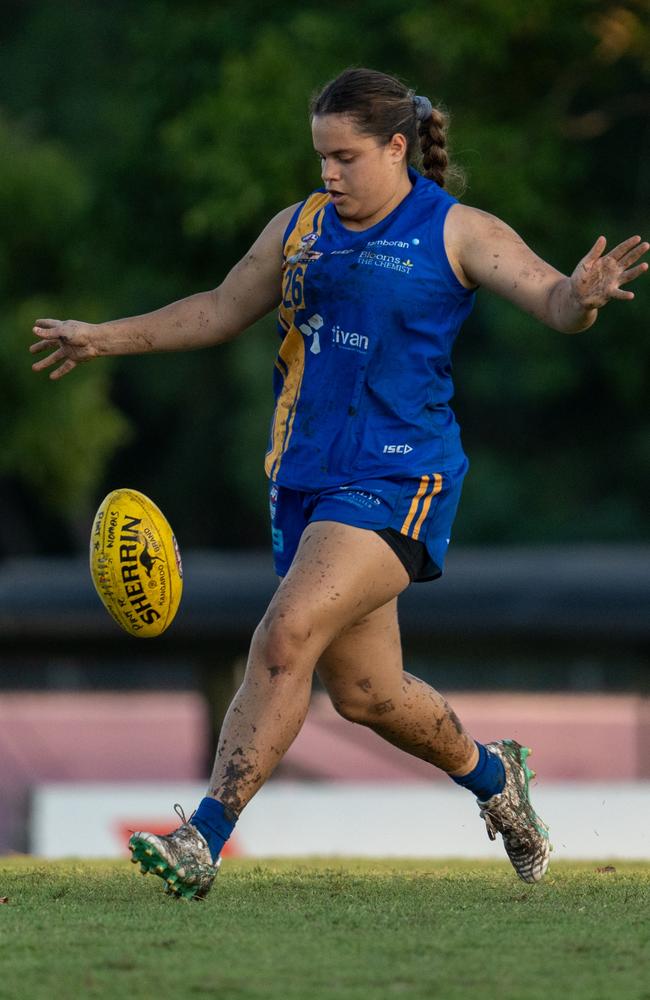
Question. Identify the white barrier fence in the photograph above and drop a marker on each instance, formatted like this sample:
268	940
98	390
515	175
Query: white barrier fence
588	821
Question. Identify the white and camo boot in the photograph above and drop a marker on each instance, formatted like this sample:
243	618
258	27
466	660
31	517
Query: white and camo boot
181	858
510	813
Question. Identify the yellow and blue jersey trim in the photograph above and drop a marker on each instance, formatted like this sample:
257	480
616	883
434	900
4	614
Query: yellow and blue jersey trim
304	230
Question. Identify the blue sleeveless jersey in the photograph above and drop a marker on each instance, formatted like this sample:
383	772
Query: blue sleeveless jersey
362	379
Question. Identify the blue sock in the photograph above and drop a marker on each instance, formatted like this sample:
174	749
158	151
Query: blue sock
488	777
216	822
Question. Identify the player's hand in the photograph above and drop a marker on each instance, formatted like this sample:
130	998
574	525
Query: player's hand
598	278
70	341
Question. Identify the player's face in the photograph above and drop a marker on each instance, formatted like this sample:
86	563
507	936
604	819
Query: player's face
366	179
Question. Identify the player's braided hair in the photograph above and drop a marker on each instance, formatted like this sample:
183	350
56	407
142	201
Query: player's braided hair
433	144
381	105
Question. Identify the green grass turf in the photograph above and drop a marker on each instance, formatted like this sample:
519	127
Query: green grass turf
315	930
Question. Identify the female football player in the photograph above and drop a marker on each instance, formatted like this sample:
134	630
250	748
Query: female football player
372	276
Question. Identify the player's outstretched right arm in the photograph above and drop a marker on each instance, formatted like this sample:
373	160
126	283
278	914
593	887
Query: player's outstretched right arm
249	291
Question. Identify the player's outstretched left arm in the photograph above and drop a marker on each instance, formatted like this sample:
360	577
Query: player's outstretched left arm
485	251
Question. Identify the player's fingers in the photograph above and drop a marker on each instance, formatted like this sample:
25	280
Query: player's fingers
619	251
45	327
633	255
618	293
632	273
596	251
50	360
41	345
66	367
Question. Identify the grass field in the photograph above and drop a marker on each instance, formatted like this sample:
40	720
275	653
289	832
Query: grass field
350	930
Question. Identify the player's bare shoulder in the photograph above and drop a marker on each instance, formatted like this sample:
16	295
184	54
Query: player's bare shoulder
484	250
466	227
271	240
254	285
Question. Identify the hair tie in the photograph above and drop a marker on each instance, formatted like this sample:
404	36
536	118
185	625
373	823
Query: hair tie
423	108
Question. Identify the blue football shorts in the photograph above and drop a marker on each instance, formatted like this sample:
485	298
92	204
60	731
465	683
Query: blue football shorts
413	516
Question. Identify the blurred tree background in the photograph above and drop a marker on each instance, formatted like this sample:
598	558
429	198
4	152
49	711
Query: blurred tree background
144	145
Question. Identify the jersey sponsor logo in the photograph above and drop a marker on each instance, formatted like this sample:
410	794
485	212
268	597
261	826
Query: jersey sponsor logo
397	449
390	243
310	329
349	340
386	260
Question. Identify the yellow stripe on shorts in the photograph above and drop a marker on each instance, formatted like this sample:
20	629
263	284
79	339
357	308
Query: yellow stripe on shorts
424	482
437	486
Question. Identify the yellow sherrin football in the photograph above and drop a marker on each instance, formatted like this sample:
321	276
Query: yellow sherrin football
135	563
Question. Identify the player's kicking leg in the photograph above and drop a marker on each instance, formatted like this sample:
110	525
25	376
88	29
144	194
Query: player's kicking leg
363	672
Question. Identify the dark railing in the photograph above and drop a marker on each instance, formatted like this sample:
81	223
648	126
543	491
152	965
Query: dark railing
602	591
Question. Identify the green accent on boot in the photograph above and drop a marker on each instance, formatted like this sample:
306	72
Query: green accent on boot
151	861
523	753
